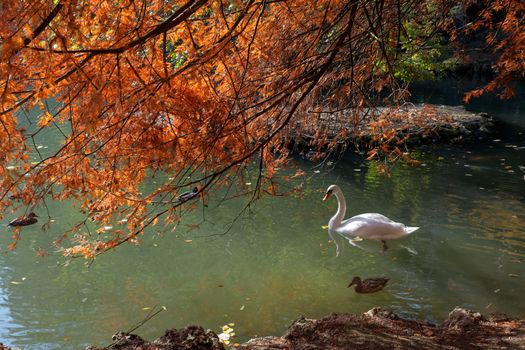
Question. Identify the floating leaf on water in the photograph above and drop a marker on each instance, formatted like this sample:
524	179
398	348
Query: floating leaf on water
11	167
231	324
188	240
513	275
16	282
107	228
357	169
496	290
496	140
324	227
242	308
468	174
441	158
84	300
317	171
146	308
248	183
224	338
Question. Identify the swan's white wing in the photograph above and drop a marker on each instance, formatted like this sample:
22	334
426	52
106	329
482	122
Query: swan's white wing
372	226
372	217
351	227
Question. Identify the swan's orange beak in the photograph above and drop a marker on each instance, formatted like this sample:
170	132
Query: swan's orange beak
327	195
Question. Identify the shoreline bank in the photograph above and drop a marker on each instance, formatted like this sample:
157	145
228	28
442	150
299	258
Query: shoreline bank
375	329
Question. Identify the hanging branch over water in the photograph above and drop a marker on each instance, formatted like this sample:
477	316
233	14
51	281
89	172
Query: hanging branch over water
191	89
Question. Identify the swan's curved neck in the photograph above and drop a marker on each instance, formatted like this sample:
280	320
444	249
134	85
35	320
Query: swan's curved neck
336	220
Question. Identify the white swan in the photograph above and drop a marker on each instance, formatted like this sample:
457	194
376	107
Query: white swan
367	226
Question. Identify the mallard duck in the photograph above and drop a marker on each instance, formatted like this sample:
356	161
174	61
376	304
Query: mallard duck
367	226
369	285
186	196
23	220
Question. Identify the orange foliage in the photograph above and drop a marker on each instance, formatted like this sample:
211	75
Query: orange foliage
503	22
189	88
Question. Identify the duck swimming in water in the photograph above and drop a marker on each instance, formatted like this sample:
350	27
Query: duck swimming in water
366	226
369	285
186	196
23	220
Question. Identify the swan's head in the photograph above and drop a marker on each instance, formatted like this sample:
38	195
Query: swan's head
356	280
330	191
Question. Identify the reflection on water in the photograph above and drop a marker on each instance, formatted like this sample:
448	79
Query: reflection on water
277	262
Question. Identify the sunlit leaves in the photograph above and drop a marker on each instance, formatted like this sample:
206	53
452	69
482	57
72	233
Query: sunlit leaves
191	92
503	24
45	119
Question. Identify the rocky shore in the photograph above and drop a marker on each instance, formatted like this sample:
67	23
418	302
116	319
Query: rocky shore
375	329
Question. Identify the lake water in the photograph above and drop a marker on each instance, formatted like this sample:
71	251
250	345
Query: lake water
277	263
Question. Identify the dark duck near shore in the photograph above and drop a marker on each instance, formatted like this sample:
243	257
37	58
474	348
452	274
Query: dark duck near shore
369	285
24	220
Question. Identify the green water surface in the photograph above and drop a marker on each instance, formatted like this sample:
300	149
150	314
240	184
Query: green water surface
277	263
